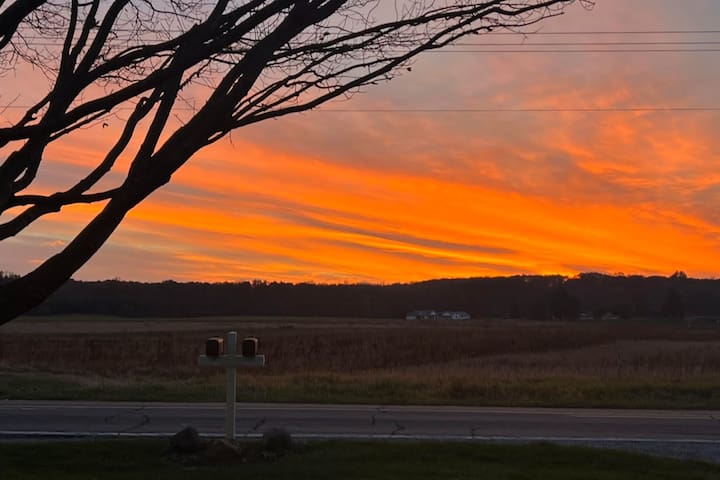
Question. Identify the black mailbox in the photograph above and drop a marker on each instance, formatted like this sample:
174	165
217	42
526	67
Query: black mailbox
214	347
249	347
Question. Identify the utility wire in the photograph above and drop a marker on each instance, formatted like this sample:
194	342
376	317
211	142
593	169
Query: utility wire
492	48
44	41
38	40
510	33
613	32
583	44
641	109
582	50
519	110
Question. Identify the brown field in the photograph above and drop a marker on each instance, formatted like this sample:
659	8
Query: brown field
373	360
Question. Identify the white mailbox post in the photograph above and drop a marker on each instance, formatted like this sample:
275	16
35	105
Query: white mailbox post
231	360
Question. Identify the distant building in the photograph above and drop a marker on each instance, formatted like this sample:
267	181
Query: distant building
422	315
452	315
433	315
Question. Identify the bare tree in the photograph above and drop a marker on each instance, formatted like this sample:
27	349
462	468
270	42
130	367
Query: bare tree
256	59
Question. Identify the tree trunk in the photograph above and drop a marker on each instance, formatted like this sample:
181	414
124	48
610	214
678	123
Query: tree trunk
25	293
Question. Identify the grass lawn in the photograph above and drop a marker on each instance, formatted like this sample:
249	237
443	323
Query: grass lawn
141	459
379	389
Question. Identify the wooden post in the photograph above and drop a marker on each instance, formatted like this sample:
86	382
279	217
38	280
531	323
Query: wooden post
231	393
230	360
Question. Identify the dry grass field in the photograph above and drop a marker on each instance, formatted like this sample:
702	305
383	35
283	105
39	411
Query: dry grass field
480	362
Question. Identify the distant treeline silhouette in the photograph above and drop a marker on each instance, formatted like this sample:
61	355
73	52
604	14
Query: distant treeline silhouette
590	295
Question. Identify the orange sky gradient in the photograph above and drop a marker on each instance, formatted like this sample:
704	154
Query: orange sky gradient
405	196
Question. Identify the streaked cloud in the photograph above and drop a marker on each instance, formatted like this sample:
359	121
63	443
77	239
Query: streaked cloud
389	196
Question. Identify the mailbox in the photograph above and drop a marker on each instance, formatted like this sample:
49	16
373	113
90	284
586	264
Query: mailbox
249	347
214	347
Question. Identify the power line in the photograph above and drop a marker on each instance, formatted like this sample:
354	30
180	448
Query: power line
583	50
40	41
510	33
629	109
531	46
612	32
520	110
512	44
491	48
590	44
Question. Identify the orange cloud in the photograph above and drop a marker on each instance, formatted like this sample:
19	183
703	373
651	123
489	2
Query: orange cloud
408	196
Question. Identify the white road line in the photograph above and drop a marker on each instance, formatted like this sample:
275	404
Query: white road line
259	411
395	409
375	436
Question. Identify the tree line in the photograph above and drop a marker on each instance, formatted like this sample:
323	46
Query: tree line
591	295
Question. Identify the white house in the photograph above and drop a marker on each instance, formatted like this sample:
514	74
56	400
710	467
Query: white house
422	315
433	315
455	315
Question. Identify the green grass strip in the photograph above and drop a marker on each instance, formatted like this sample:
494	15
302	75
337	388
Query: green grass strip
141	459
554	392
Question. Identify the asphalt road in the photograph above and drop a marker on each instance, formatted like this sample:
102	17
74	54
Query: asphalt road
694	434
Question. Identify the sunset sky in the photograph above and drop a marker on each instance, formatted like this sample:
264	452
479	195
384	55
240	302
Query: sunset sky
423	178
